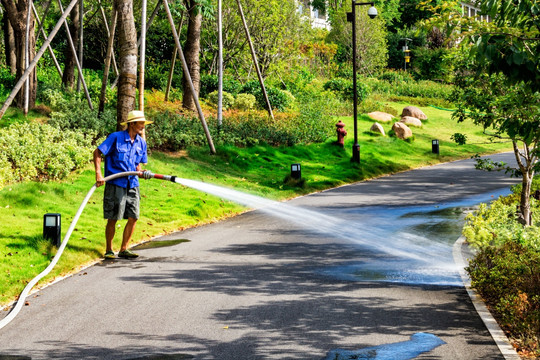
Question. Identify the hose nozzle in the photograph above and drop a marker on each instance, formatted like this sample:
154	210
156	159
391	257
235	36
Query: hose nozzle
146	174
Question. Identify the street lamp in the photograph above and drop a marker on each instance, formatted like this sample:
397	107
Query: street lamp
351	17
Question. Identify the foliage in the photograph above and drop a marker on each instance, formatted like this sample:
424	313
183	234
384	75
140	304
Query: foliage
74	114
279	100
245	102
227	100
344	88
156	75
508	110
173	132
508	44
209	83
315	57
508	279
32	151
419	89
432	64
497	224
396	76
372	53
7	81
459	138
273	39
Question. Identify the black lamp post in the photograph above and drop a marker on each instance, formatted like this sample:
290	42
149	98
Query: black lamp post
351	17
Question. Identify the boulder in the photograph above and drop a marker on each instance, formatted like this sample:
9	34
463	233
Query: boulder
414	112
377	128
411	121
402	131
381	116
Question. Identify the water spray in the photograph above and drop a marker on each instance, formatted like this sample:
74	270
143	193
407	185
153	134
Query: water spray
363	234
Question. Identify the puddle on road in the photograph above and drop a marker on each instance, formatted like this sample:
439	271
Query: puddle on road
428	231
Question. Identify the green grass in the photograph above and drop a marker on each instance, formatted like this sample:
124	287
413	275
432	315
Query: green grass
167	207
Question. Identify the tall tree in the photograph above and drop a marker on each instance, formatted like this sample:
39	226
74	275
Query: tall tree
9	45
68	77
192	49
17	12
372	53
501	90
127	62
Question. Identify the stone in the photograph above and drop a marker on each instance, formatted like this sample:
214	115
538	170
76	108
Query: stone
402	131
411	121
381	116
414	112
377	128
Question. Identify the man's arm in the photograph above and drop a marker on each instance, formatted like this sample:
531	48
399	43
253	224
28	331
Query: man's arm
97	165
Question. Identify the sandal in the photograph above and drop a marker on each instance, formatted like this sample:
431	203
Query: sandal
127	254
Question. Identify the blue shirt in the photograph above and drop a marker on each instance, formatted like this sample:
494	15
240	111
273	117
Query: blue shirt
123	155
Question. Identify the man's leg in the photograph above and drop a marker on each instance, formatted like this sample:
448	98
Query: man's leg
128	233
110	229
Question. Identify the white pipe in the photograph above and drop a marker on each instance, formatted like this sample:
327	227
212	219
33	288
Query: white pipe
33	282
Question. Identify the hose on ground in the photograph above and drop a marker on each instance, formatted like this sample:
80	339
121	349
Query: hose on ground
20	302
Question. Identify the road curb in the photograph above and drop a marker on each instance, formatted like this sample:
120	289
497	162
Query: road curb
504	345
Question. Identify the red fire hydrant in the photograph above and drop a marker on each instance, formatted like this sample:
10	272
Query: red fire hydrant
341	133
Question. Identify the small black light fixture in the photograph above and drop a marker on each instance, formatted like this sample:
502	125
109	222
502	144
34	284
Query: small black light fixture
296	171
51	228
435	146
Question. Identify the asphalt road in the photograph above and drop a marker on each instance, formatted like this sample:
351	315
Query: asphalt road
255	287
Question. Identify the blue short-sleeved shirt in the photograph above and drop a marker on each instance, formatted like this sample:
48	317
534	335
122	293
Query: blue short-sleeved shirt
123	155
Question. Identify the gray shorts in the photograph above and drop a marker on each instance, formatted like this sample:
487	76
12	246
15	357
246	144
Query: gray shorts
120	203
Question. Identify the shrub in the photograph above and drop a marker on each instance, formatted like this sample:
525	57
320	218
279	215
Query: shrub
431	64
344	88
75	115
508	279
209	83
396	76
279	100
496	224
32	151
245	102
156	75
227	100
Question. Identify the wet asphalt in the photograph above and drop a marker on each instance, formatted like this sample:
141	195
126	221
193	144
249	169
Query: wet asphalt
256	287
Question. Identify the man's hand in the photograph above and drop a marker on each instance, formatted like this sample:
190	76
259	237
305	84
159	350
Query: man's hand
100	180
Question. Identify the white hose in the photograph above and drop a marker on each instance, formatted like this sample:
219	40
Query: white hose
34	281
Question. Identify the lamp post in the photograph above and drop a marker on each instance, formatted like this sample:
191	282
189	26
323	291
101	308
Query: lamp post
351	17
406	52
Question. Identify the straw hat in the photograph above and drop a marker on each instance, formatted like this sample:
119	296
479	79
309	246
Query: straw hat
135	116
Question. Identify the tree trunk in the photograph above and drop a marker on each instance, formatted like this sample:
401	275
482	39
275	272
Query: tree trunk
68	78
9	44
16	14
191	51
127	62
526	161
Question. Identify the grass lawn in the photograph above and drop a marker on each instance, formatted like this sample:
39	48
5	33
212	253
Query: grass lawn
168	207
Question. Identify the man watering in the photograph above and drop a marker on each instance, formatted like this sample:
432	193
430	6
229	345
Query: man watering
123	151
